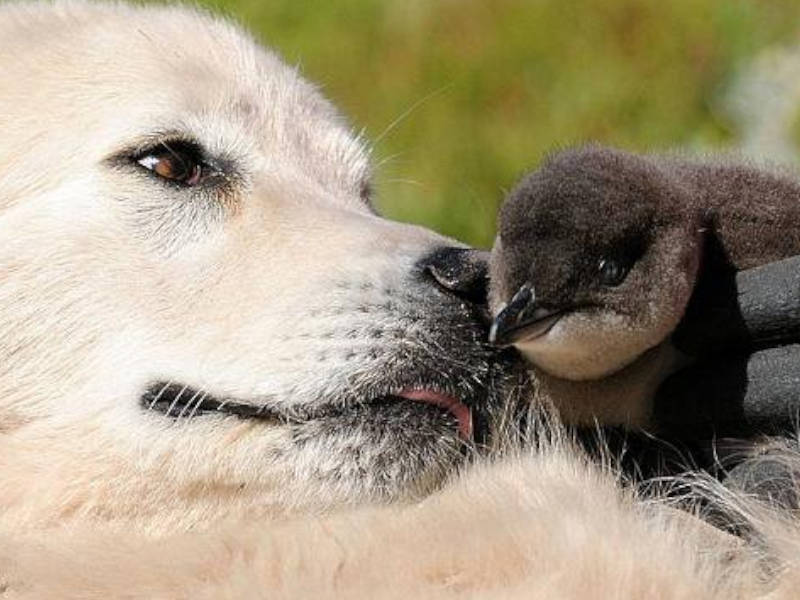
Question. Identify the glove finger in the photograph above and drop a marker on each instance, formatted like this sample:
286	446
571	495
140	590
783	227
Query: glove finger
736	397
752	308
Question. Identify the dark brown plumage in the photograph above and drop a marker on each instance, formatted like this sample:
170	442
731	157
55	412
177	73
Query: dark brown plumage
614	244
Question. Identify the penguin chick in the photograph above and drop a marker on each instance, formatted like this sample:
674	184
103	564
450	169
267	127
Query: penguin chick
599	251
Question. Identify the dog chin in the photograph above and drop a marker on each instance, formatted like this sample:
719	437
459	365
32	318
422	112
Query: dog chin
396	448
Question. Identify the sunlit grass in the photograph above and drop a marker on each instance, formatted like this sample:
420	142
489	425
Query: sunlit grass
463	96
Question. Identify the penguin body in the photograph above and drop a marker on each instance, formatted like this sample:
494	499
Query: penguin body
600	252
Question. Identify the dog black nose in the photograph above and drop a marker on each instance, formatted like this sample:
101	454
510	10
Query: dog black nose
462	272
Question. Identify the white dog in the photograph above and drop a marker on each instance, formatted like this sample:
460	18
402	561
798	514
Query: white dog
204	325
198	300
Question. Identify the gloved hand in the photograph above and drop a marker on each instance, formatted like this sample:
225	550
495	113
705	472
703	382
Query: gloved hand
746	380
744	336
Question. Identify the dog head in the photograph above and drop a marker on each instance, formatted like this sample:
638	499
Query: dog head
201	311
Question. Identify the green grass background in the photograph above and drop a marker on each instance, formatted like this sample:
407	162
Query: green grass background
461	97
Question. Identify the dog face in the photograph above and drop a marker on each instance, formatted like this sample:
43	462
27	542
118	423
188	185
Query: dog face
201	312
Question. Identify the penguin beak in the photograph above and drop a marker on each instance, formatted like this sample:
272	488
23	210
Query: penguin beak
521	320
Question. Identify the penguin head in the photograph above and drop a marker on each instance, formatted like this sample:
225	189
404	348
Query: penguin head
594	263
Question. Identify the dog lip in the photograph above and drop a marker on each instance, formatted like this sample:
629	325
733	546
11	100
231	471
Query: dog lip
453	405
177	401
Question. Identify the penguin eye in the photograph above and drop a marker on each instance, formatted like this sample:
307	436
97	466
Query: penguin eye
612	271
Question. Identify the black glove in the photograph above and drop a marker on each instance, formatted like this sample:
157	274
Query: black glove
745	336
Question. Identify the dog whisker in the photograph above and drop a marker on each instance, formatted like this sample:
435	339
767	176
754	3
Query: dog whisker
175	401
158	396
189	403
408	112
197	406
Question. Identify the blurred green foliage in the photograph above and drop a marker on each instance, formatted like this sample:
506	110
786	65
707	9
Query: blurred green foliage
461	97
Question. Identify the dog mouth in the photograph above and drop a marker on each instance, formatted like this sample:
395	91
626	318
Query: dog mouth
178	401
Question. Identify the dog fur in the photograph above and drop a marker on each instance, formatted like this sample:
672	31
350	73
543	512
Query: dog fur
544	524
276	286
283	290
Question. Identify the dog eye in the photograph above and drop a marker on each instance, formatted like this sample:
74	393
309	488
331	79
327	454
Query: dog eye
177	162
365	192
612	271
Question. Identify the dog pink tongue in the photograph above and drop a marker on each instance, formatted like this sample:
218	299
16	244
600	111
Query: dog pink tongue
457	408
